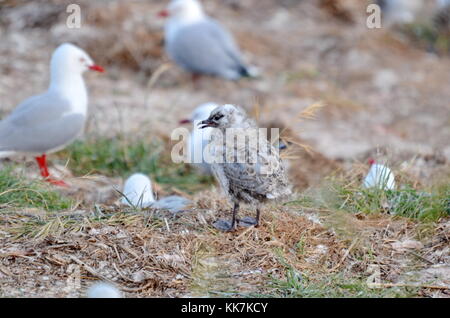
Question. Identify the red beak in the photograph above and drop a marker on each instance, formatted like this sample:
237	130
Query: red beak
163	13
96	68
371	161
184	121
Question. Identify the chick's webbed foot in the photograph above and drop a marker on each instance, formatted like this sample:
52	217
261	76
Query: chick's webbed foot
248	221
224	225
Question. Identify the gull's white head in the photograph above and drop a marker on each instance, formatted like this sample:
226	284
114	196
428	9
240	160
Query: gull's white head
203	111
183	10
226	116
70	59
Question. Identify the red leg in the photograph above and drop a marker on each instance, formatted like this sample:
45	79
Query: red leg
42	162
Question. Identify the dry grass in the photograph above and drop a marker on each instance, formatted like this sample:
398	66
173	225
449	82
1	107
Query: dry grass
154	253
150	253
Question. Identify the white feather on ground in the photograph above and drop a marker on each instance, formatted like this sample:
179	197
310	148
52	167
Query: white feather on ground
103	290
138	193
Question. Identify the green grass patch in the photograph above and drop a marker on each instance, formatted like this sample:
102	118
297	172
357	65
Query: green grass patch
298	285
18	192
339	195
115	157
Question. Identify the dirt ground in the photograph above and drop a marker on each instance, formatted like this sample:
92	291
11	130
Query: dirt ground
383	97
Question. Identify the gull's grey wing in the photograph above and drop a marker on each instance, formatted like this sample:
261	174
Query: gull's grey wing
207	48
40	124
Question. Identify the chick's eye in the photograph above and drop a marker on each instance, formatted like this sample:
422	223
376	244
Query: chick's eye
218	116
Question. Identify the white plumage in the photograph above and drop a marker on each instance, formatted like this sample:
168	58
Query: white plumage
138	191
48	122
199	138
379	176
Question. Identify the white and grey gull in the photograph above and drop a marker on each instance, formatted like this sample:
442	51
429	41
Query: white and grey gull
48	122
200	44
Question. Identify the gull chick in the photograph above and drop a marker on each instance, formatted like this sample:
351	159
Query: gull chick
48	122
254	172
199	44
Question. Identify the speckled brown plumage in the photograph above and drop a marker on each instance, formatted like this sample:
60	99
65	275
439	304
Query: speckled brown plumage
254	180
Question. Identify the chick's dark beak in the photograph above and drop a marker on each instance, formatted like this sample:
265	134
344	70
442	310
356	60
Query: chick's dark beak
206	123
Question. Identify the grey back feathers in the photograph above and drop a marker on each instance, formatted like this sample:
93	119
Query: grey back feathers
205	47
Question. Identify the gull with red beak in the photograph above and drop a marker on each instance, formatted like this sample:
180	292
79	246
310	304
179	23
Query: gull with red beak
199	44
48	122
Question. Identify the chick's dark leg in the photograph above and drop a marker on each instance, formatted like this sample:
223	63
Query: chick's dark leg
233	220
249	221
227	226
258	213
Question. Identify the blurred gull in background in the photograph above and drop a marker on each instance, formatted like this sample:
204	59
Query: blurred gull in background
48	122
400	11
379	176
442	16
199	138
138	193
200	44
